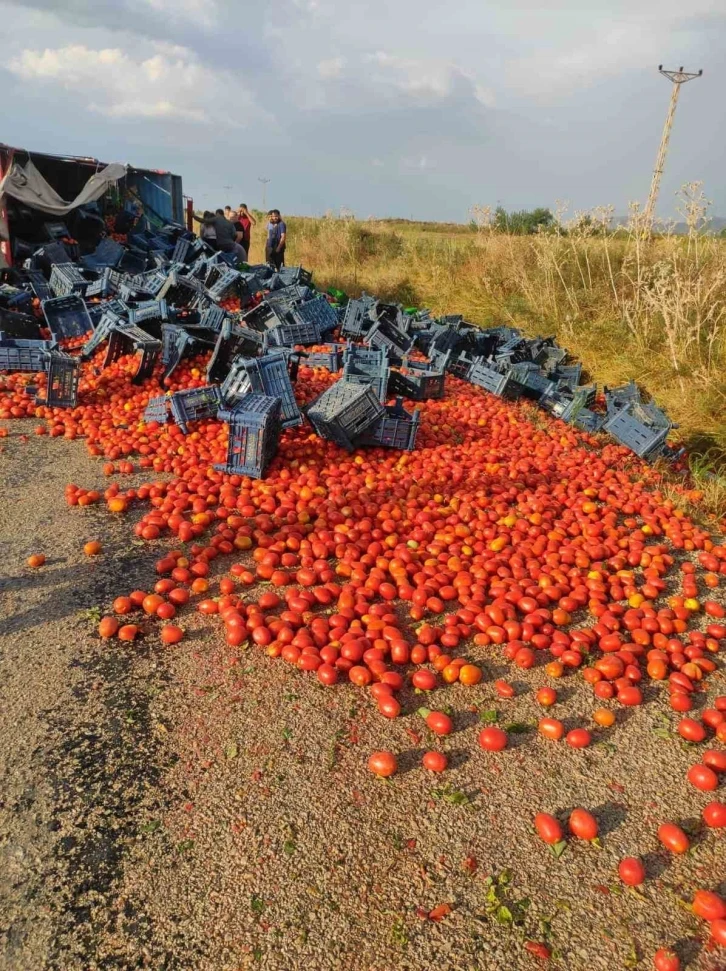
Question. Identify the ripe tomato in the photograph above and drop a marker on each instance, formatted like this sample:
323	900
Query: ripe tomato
170	634
108	627
702	777
631	871
548	828
578	738
551	728
666	960
493	739
673	838
546	696
715	760
691	730
383	764
709	906
714	815
434	761
583	824
424	680
718	932
437	721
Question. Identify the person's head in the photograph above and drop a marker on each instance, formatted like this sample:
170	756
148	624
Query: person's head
219	212
242	207
274	215
208	214
228	211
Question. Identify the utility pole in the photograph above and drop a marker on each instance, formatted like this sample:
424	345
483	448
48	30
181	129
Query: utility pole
265	183
677	78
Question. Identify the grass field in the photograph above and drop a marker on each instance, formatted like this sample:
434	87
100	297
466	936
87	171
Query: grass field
628	308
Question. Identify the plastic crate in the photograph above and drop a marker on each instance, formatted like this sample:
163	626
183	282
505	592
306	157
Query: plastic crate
66	279
267	375
194	404
67	317
212	319
62	385
318	312
233	342
148	311
532	381
289	275
397	428
344	412
491	380
50	254
618	398
262	318
125	338
568	375
386	336
363	365
567	404
589	421
181	251
550	357
157	410
288	335
22	326
647	441
107	253
255	426
39	284
108	322
226	283
355	322
107	284
175	343
416	383
331	358
17	354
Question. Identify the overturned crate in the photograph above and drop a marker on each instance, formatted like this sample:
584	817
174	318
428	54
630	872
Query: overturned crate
61	389
267	375
417	381
629	427
356	320
344	412
21	355
176	342
531	381
331	358
396	428
124	339
157	410
386	336
255	425
287	334
318	312
365	365
194	404
233	342
66	278
67	317
495	382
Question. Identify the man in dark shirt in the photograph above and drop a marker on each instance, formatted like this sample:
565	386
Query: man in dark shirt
227	237
276	239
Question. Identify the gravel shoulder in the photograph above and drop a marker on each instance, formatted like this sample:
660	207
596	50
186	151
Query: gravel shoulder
204	809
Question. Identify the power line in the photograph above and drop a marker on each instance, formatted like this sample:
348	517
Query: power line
677	78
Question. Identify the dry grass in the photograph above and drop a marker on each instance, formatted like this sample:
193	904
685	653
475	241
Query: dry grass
625	305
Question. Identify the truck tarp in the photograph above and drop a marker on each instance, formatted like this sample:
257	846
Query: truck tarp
26	184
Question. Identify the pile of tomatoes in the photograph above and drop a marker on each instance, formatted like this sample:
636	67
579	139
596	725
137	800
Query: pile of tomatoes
538	542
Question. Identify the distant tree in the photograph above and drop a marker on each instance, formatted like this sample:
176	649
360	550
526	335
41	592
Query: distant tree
523	222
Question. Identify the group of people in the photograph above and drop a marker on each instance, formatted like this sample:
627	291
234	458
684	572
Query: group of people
230	231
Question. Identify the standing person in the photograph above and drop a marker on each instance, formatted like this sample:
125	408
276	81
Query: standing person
276	239
227	237
208	232
244	224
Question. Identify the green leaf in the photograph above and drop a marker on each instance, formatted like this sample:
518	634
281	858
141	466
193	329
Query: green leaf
559	848
184	846
231	750
257	904
424	712
489	717
289	847
287	734
519	728
504	915
663	733
150	827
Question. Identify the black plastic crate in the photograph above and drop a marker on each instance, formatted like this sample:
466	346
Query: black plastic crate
62	385
67	317
176	342
107	284
533	383
67	279
491	380
212	319
255	425
148	311
365	365
194	404
549	357
107	253
618	398
22	326
39	284
157	410
233	342
647	441
267	375
125	338
568	375
567	403
589	421
355	321
17	354
331	358
317	311
228	283
289	275
288	335
262	318
416	383
344	412
106	325
386	336
397	428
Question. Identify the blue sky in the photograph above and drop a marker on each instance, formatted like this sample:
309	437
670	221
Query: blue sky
414	108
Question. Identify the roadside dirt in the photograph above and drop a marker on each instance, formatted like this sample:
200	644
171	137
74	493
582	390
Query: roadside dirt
199	808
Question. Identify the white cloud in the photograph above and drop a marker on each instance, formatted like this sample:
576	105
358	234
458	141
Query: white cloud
331	68
377	163
171	83
203	13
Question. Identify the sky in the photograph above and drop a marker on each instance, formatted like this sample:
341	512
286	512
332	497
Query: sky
409	108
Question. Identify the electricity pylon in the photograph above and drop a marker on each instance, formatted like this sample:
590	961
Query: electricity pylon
264	192
677	78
